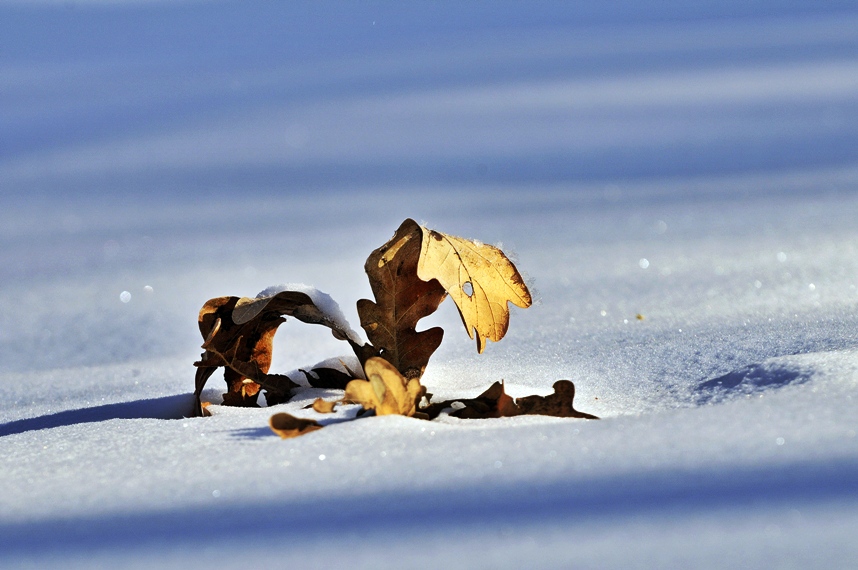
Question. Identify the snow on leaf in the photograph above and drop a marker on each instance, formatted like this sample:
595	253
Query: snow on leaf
239	335
312	306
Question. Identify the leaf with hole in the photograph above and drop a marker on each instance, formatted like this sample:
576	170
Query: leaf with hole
479	278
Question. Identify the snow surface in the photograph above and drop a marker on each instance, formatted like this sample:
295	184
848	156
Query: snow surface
694	165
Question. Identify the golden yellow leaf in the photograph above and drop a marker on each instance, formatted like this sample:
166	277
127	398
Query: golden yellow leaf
323	407
385	390
287	426
480	280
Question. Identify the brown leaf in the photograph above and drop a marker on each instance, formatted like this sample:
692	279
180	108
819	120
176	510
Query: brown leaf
323	407
278	388
386	391
558	404
480	279
294	304
287	426
240	393
244	348
401	299
493	403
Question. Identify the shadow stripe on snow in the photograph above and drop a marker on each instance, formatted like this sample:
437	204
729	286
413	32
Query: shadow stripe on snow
675	492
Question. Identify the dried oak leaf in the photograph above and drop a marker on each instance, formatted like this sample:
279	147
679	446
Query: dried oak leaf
480	279
239	335
321	311
386	390
496	403
558	404
287	426
401	299
493	403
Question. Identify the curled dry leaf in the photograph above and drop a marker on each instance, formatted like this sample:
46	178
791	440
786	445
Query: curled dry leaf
287	426
300	305
239	335
401	299
386	391
480	279
244	350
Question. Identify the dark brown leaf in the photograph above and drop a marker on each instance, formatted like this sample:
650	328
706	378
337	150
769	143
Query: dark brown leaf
401	299
496	403
558	404
328	378
278	388
493	403
244	348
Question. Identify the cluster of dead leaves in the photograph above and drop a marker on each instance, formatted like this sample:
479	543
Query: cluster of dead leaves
410	276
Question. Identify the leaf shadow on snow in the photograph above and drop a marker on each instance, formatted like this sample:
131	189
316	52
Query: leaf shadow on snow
751	379
252	433
166	408
265	432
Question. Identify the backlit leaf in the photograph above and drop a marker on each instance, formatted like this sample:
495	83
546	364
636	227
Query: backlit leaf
479	278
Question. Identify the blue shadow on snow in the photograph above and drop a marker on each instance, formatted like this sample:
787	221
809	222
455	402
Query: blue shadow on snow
166	408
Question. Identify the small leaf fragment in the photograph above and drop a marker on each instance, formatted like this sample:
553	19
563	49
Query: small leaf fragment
323	406
287	426
386	391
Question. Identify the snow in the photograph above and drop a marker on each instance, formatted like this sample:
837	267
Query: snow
678	183
329	308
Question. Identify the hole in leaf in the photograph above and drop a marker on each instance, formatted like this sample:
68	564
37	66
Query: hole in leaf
468	288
